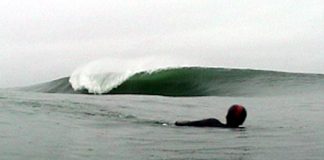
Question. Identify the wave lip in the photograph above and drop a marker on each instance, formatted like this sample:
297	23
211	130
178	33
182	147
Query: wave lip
97	83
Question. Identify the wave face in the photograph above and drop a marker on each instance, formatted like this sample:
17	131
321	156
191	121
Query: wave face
190	81
61	85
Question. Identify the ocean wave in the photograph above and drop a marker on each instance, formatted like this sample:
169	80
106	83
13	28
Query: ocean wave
187	81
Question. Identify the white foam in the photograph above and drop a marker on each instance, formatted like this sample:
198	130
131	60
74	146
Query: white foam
103	75
98	83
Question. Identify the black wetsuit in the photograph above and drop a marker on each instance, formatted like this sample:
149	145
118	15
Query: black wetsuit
210	122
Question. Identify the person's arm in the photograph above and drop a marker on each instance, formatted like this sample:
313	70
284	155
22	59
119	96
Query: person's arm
210	122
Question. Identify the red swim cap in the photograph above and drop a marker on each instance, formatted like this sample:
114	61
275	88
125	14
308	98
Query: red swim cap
236	115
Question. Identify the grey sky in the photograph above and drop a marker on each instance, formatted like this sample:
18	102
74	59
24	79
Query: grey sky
41	40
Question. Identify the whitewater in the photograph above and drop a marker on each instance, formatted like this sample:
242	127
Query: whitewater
129	113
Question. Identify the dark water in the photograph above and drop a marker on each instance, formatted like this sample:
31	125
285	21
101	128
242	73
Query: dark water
77	126
285	117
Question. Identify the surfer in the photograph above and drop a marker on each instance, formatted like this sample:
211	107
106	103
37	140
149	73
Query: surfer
235	117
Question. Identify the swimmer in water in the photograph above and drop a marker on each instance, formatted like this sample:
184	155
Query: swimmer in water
235	117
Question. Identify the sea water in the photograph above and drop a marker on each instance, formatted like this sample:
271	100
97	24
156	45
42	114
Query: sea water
79	126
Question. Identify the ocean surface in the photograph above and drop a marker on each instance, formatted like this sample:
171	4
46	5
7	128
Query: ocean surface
122	116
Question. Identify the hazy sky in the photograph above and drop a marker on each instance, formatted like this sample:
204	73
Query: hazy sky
41	40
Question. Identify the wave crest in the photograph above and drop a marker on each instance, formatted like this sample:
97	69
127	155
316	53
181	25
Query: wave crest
97	83
187	81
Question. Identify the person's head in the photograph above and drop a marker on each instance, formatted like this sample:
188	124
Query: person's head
235	116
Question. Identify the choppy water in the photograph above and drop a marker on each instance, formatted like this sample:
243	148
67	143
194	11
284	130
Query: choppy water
137	127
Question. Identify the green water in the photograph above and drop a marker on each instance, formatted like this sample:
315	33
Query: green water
188	81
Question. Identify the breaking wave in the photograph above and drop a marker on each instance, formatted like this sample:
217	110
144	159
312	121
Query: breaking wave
187	81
